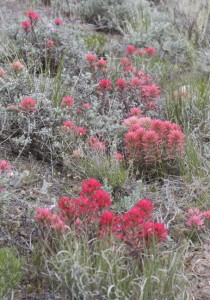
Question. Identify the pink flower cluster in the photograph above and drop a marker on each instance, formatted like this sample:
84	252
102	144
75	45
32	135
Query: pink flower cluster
58	22
151	141
95	63
68	125
17	66
196	218
29	24
50	44
3	74
131	50
96	145
27	105
5	167
34	17
67	102
90	214
26	26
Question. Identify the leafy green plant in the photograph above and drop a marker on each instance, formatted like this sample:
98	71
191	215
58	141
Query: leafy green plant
96	42
10	271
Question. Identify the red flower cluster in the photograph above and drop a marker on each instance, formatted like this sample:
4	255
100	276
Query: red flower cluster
86	106
132	50
34	17
50	44
95	63
89	213
27	105
141	83
101	63
135	111
68	125
137	226
3	74
26	26
121	84
153	141
88	207
17	66
105	85
58	22
5	167
97	145
67	102
47	218
118	156
197	218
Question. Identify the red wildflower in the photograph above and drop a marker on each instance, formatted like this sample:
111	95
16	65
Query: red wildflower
195	221
32	15
108	218
43	215
135	82
67	102
131	121
57	223
125	61
90	186
58	22
50	44
81	131
97	145
3	74
13	107
102	199
105	85
150	51
145	206
27	105
135	111
158	231
140	51
91	58
118	156
175	143
26	26
206	214
129	69
17	66
150	91
121	84
86	105
101	63
5	167
68	125
66	206
131	49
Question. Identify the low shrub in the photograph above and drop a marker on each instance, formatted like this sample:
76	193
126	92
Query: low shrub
10	272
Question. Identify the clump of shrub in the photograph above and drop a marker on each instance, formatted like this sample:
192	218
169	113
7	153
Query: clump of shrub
42	46
109	15
10	272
